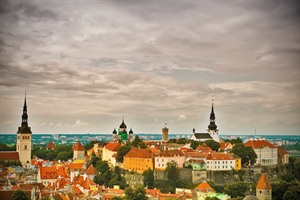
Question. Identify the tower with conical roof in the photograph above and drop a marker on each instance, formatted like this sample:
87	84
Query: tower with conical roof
263	188
24	135
212	127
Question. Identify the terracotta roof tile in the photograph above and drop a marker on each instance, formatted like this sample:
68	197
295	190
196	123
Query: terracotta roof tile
78	147
170	153
219	156
139	153
76	165
205	187
225	145
87	183
112	146
50	145
52	172
91	170
203	148
256	144
9	155
282	151
263	183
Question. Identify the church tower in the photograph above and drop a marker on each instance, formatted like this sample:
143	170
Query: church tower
212	127
24	135
264	188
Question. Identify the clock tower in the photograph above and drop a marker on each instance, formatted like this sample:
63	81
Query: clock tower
24	135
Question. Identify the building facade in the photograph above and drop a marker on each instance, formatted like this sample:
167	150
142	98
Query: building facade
267	153
165	156
138	160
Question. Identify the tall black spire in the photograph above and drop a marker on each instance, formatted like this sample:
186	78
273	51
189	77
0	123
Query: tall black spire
24	125
212	125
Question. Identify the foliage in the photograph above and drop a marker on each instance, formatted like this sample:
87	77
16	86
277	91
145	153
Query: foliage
94	159
279	189
5	147
137	142
172	172
293	192
245	153
287	177
173	140
102	166
236	189
218	188
20	195
148	178
195	144
235	141
213	144
122	151
295	166
138	193
164	186
64	155
117	198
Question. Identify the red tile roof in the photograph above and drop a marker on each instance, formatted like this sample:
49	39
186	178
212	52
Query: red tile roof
112	146
203	148
263	183
87	183
91	170
50	145
154	150
139	153
282	151
9	155
257	144
225	145
204	187
219	156
52	172
76	165
196	154
78	147
170	153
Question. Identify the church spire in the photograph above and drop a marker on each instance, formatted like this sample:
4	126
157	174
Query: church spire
24	125
212	125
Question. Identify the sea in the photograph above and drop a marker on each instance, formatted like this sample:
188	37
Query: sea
84	138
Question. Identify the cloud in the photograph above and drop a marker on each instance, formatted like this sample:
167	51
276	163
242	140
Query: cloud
182	117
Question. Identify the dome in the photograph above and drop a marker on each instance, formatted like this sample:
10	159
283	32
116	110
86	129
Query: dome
123	125
130	132
250	197
114	131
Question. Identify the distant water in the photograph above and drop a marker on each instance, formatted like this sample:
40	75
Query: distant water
86	138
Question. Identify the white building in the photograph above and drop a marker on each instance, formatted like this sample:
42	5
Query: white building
165	156
266	152
220	162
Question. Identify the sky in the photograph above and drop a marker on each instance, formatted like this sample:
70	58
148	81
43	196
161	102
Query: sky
87	64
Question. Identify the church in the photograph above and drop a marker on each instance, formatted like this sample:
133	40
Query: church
212	131
122	133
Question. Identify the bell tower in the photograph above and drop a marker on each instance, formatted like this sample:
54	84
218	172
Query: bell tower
212	127
24	135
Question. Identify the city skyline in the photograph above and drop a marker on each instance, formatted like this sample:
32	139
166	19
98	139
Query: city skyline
85	65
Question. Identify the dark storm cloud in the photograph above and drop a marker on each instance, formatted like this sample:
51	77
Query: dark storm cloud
152	61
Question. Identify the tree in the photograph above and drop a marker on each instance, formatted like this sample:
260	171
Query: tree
236	189
172	173
117	198
20	195
64	155
136	141
213	144
293	192
194	144
235	141
102	166
122	151
212	198
138	193
148	178
245	153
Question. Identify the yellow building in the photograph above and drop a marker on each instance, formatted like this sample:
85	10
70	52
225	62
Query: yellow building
138	160
238	162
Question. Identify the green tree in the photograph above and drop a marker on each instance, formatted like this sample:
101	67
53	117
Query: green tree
236	189
148	178
172	173
293	192
213	144
117	198
235	141
102	166
20	195
245	153
64	155
122	151
136	141
212	198
194	144
138	193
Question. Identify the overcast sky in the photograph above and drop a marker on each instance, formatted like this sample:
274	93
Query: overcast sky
85	64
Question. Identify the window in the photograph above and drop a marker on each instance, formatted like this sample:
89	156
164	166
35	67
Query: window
25	147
